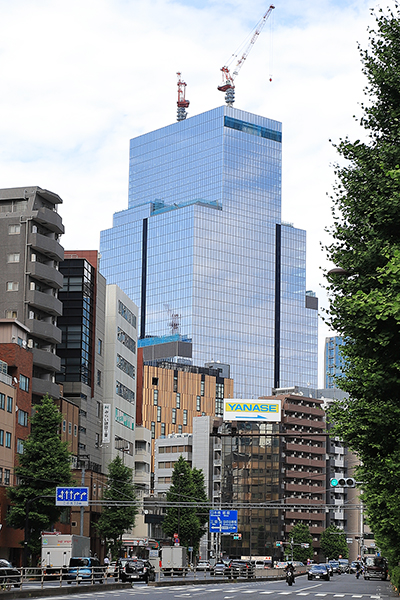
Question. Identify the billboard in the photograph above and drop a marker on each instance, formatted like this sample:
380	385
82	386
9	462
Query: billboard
252	410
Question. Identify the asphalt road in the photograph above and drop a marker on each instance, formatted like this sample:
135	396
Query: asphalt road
343	586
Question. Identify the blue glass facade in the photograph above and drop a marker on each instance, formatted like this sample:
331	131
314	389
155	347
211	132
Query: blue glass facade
334	361
202	236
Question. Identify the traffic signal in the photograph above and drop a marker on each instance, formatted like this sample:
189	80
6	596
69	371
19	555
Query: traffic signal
343	482
278	544
237	536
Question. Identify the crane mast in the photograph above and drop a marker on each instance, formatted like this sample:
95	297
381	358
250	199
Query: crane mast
182	102
228	78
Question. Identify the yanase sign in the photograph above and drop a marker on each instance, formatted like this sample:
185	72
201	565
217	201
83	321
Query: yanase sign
252	410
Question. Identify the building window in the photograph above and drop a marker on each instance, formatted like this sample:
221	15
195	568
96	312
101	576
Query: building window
9	404
126	340
175	383
11	314
173	416
201	388
158	414
12	286
64	426
14	229
1	474
69	428
75	430
163	429
8	439
155	397
6	476
124	392
185	417
98	410
20	446
127	314
178	400
179	428
99	377
99	347
24	383
154	381
125	366
2	401
97	440
1	437
198	403
22	418
13	257
153	430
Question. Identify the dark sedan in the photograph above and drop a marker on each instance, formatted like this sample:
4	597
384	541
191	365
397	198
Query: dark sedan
240	568
138	570
9	574
318	572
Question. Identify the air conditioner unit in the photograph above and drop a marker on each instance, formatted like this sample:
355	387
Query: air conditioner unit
30	343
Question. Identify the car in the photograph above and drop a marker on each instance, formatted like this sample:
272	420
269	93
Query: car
138	570
9	574
220	569
330	568
344	565
85	568
280	565
335	566
375	566
318	572
203	565
240	568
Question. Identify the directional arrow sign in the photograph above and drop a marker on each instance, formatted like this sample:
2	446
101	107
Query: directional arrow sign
72	496
223	521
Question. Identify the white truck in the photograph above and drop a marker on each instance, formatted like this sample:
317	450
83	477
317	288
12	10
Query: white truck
58	548
174	560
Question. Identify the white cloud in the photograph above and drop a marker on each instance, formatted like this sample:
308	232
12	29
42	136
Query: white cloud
80	79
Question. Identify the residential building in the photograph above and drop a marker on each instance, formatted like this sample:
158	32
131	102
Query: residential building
203	251
30	254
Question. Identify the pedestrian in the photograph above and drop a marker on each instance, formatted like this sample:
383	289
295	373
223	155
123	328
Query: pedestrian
106	561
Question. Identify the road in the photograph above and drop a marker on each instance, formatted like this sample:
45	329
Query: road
343	586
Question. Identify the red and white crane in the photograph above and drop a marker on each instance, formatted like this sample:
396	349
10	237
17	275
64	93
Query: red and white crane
182	102
228	78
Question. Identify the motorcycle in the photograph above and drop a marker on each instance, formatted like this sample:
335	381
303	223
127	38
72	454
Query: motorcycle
290	577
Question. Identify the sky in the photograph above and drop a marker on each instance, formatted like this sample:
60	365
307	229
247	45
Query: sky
79	79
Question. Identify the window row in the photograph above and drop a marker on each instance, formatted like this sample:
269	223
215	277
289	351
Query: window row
5	439
126	340
126	314
3	402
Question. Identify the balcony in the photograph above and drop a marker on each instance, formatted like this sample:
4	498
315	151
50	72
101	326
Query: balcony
47	246
45	302
50	219
48	275
40	387
45	331
47	360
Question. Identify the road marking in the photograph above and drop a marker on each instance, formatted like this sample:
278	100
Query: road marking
339	595
323	595
267	592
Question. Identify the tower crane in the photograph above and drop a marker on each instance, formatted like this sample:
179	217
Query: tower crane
228	78
182	102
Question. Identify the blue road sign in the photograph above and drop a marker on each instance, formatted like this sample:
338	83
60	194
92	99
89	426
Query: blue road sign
223	521
72	496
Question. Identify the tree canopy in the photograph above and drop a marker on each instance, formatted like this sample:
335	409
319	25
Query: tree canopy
365	296
300	534
116	519
44	464
183	519
333	543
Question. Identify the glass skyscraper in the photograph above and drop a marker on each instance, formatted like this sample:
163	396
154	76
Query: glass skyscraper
202	241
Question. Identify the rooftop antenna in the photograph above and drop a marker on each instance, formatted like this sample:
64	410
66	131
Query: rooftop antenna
182	102
173	320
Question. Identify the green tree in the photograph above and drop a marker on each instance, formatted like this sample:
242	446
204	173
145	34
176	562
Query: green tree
300	534
365	296
333	543
186	519
44	464
116	519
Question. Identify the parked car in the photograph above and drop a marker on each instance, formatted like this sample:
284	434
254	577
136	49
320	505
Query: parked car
85	568
203	565
9	573
318	572
241	568
138	570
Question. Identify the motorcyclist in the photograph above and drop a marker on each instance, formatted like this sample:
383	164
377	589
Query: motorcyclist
289	570
358	570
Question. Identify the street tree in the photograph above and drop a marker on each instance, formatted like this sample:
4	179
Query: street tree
116	518
183	517
365	288
333	543
302	548
44	464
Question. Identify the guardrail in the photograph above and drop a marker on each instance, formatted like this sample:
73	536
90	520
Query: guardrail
41	575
